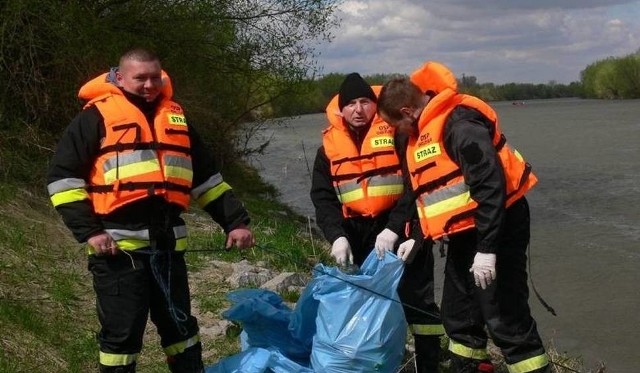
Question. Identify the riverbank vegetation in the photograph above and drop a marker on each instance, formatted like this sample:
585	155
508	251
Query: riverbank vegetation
230	61
612	78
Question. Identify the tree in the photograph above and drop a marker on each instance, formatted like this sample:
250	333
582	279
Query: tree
227	59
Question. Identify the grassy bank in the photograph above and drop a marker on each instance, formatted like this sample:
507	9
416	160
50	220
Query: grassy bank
47	313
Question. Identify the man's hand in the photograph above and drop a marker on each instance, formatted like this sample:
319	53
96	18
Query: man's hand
407	250
341	251
385	241
103	244
240	237
484	269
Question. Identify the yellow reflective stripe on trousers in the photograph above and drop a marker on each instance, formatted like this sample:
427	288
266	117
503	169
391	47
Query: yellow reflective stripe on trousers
426	329
468	352
529	365
68	196
114	360
179	347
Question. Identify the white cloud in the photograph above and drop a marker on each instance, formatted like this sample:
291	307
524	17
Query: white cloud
497	41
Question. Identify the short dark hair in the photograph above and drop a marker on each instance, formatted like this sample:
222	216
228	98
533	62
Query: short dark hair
139	54
396	94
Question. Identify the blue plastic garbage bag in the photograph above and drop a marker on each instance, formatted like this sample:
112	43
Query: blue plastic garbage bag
257	360
341	323
303	318
360	326
265	319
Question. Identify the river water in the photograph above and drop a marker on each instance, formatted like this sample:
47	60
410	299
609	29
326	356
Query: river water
585	244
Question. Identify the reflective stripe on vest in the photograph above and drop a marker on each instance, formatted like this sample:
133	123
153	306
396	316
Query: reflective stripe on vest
444	201
388	185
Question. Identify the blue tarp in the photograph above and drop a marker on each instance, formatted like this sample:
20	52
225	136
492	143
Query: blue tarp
341	323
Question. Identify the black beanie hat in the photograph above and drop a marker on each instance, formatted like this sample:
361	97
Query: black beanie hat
352	87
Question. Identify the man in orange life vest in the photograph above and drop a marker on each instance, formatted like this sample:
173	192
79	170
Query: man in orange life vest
356	188
123	172
469	187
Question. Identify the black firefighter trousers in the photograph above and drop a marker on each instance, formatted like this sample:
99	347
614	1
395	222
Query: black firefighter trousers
503	307
131	286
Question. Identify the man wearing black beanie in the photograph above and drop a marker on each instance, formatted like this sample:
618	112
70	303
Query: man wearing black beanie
357	190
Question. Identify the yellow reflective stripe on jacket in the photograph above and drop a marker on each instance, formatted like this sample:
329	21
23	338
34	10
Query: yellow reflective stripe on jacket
69	196
213	194
62	185
114	360
529	365
212	182
129	240
179	347
67	190
468	352
130	245
426	329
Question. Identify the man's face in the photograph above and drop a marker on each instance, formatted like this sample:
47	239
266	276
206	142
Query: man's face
359	112
140	78
407	124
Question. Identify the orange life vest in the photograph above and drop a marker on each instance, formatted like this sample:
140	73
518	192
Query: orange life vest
444	202
367	182
138	160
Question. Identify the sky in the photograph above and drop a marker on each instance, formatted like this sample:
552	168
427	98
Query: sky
497	41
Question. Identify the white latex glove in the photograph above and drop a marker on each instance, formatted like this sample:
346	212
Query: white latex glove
484	269
406	251
341	251
385	241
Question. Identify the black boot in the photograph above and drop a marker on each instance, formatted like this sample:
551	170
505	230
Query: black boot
427	353
188	361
